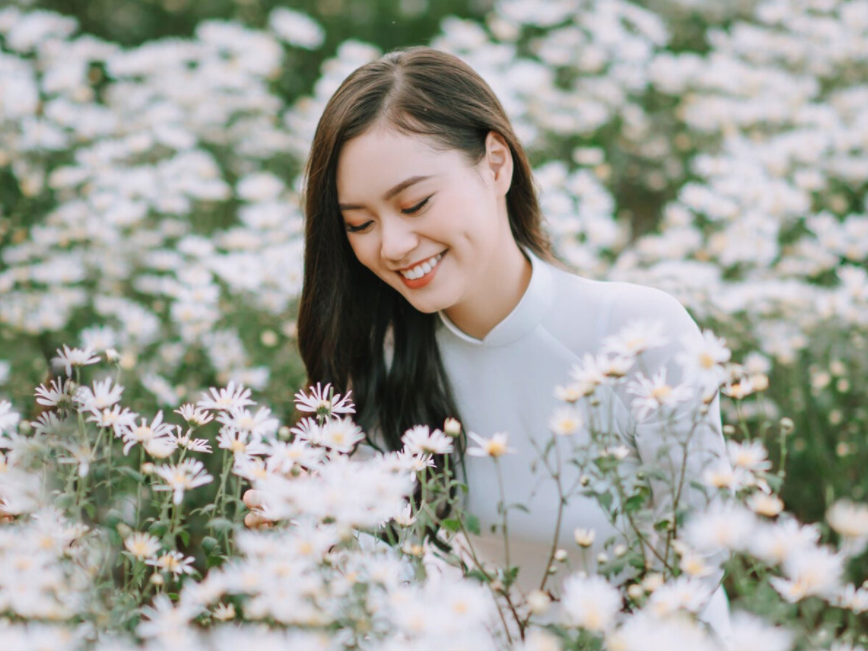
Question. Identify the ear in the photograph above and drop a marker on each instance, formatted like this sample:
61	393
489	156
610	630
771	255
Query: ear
498	161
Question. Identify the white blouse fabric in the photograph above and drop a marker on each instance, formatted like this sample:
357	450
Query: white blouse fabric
505	383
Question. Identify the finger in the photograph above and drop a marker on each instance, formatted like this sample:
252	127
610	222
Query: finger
253	520
253	499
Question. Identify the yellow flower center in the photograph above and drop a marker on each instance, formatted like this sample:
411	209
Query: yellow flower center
706	361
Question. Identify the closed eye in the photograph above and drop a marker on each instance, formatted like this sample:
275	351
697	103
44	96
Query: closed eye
356	229
417	207
408	211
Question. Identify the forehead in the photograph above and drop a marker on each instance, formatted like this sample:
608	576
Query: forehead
375	161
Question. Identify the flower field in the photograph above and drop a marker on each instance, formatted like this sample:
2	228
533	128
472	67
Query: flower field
150	266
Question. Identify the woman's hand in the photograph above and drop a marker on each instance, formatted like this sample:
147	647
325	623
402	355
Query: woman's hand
255	520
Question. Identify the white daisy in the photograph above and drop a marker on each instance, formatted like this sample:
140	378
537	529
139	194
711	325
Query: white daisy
307	429
118	418
283	457
243	420
775	542
194	415
239	442
79	454
750	455
590	603
738	390
703	360
566	420
142	545
50	424
250	468
70	357
102	396
232	397
493	447
655	393
340	435
420	440
406	461
684	593
768	505
174	562
723	526
187	441
850	521
635	338
319	402
57	394
813	571
8	418
143	432
589	373
181	477
165	619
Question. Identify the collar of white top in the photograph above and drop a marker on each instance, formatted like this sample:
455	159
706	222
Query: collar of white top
530	310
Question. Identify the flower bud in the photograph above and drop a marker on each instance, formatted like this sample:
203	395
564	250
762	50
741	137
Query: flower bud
157	579
538	602
561	555
635	592
620	550
148	468
584	537
283	433
602	558
760	381
787	425
451	427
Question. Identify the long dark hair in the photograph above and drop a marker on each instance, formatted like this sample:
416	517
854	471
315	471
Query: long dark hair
345	310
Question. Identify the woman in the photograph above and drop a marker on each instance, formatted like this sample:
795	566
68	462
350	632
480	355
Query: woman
430	290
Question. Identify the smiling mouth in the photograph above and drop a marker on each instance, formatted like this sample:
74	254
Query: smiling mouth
423	268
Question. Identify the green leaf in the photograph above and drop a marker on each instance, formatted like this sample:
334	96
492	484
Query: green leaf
129	472
451	524
472	524
184	536
209	543
518	506
634	503
221	524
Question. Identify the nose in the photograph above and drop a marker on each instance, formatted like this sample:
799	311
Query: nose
398	239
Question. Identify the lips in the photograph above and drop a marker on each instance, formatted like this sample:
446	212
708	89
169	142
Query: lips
427	276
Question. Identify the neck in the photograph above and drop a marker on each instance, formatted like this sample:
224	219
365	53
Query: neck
505	281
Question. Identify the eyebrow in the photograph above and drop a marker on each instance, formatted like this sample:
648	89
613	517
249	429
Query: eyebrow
406	183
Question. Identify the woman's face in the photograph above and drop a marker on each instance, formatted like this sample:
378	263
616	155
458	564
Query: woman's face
406	204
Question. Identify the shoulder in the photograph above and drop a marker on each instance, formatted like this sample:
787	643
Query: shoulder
586	311
631	302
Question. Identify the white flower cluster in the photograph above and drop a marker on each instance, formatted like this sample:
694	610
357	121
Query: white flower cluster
140	194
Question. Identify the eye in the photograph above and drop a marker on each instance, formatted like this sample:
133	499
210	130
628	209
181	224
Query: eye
356	229
417	207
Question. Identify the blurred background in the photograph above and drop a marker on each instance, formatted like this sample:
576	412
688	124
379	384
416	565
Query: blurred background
150	154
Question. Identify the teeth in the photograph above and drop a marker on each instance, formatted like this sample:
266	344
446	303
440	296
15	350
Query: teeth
421	269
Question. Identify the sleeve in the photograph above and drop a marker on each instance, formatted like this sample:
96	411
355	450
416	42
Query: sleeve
676	444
